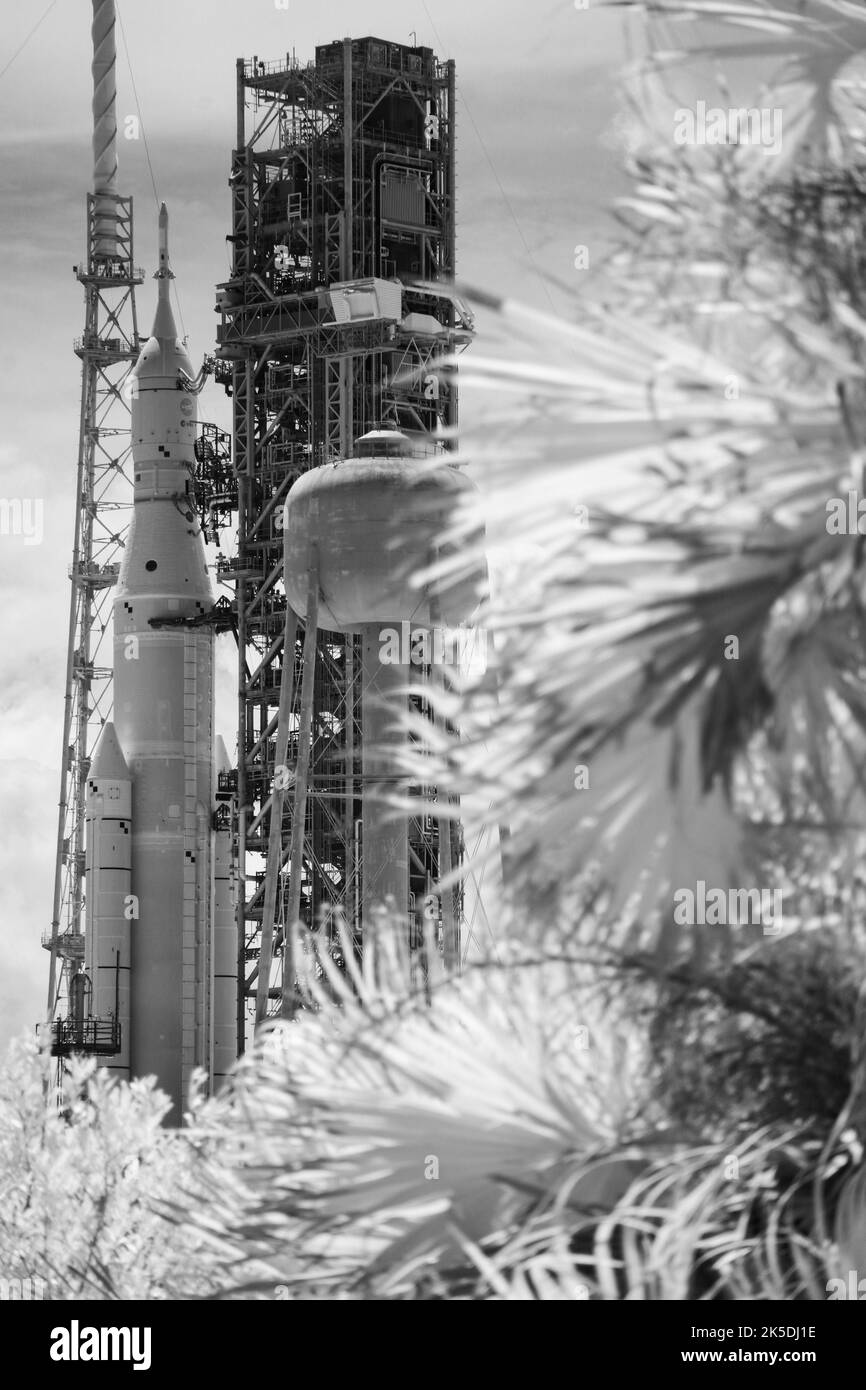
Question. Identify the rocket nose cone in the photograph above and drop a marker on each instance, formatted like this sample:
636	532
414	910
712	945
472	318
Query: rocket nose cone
108	760
163	215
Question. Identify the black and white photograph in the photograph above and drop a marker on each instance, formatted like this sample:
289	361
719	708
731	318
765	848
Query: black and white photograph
433	548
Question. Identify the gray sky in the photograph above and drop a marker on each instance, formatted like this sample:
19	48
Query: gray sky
536	168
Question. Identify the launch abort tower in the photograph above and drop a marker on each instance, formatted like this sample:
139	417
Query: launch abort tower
336	313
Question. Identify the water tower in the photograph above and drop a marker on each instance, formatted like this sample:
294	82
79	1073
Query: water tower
356	532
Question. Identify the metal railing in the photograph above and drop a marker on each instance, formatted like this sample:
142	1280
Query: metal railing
100	1036
69	943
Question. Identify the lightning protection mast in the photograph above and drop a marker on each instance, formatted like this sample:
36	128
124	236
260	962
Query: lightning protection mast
108	349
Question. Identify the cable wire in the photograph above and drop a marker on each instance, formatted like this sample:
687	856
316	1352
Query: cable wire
485	152
156	197
23	45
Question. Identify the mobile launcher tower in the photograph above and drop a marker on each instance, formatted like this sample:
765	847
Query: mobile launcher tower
337	312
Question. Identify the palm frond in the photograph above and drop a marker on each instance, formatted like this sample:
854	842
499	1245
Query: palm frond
635	665
809	51
369	1131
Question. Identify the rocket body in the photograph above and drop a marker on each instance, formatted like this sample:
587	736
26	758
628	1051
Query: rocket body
164	724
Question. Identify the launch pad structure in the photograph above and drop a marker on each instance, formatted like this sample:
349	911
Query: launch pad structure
332	323
107	348
333	326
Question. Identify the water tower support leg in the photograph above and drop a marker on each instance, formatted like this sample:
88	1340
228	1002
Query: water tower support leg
275	837
385	847
302	772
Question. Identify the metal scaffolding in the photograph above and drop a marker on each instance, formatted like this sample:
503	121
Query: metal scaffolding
336	314
108	349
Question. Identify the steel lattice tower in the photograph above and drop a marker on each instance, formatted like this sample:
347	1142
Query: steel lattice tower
107	349
333	320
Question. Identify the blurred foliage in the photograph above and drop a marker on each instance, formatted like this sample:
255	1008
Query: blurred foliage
551	1126
80	1181
765	1041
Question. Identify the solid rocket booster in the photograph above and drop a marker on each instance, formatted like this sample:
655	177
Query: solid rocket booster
179	1016
108	870
224	958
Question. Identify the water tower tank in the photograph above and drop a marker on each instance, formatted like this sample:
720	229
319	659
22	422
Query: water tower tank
376	521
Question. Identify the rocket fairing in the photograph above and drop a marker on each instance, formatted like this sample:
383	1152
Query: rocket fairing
180	951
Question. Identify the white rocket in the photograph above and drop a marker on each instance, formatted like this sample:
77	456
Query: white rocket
161	943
